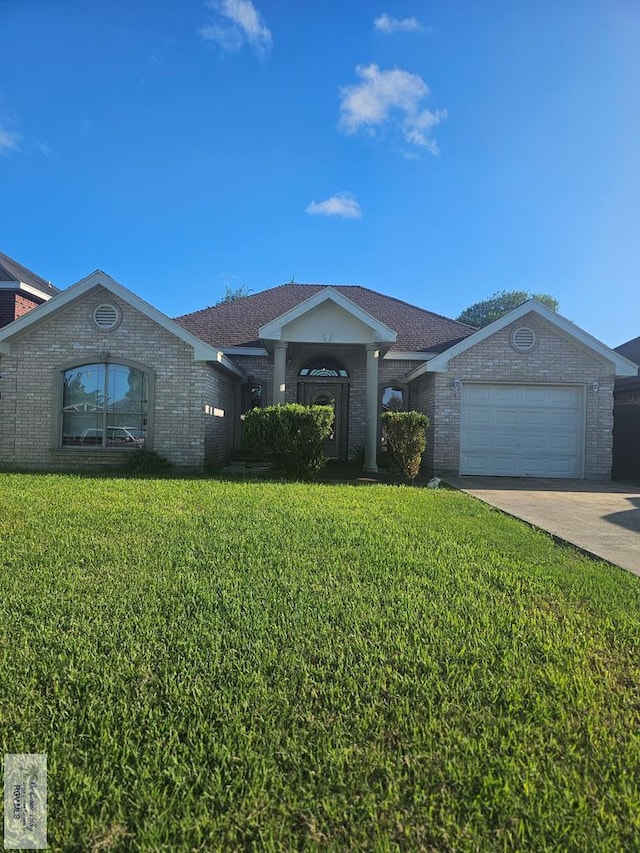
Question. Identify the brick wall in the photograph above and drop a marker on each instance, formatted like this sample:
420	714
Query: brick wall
29	420
220	414
423	399
24	305
14	305
555	359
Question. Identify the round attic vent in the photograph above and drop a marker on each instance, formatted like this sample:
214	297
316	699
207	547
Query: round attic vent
523	339
106	317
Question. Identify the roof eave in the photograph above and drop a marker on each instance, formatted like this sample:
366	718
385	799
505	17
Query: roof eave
32	290
201	350
622	366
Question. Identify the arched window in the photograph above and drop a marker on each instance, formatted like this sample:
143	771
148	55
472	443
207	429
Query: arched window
324	367
104	406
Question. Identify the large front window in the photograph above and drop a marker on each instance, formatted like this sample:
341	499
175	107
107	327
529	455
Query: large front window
104	406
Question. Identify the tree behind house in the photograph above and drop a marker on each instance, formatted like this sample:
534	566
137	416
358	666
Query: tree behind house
480	314
232	294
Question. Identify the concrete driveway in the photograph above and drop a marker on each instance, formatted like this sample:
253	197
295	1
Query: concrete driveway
601	518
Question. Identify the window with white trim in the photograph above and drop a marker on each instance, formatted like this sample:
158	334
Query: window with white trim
104	406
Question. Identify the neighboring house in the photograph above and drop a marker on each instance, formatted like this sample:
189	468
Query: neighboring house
20	290
627	389
626	432
96	370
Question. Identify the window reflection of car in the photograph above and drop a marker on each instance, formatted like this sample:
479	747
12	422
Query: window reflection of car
116	437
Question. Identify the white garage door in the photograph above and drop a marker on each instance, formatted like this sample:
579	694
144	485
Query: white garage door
521	430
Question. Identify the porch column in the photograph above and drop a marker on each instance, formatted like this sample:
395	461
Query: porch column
371	435
279	371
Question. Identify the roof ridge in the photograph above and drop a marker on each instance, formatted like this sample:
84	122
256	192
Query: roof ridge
233	301
296	284
411	305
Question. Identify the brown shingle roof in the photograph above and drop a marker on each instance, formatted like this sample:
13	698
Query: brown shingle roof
11	270
237	323
630	350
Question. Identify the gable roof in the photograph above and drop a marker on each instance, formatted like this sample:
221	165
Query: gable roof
201	350
623	366
237	324
12	271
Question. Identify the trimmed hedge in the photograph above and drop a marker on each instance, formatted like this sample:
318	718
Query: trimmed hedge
406	438
291	434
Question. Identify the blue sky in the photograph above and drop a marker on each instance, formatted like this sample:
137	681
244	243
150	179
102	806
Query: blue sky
437	152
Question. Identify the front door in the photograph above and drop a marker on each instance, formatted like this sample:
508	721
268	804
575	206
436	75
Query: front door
336	395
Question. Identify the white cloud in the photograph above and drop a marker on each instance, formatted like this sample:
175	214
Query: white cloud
340	204
386	24
240	24
8	139
383	96
43	148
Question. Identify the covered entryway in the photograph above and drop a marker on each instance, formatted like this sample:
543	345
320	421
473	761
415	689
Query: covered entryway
522	430
330	319
325	382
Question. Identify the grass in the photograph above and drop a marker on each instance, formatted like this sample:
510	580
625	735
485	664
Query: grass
214	665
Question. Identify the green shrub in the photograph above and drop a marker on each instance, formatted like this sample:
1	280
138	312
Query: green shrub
142	461
291	434
406	439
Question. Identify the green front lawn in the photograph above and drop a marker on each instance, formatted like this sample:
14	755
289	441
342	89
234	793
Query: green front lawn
231	665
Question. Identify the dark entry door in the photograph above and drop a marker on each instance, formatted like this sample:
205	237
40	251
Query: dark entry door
333	394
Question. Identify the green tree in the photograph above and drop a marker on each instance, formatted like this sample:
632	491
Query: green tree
480	314
232	294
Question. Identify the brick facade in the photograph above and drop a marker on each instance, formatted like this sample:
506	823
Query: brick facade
24	304
14	305
182	430
555	359
196	405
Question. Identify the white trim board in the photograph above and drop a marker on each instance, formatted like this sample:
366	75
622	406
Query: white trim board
399	355
28	288
255	351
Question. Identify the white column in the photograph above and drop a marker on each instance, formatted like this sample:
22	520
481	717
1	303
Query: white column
371	435
279	371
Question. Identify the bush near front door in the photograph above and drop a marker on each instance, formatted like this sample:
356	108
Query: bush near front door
406	439
292	434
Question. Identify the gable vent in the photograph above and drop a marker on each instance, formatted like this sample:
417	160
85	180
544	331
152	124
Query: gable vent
523	339
106	316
